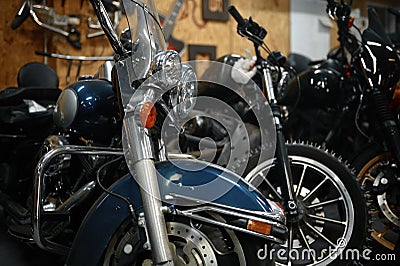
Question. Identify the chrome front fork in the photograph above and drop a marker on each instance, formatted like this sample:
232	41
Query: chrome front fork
141	161
147	178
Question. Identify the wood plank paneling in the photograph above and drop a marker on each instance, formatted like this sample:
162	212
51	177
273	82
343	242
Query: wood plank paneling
273	15
19	46
16	46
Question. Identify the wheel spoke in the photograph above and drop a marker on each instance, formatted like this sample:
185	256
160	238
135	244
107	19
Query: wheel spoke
323	203
326	219
320	234
301	181
306	242
290	242
273	190
315	189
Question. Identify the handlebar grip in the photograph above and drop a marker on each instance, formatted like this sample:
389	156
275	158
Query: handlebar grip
236	15
21	16
42	53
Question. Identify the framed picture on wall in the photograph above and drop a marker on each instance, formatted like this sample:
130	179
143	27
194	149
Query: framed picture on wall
215	10
201	53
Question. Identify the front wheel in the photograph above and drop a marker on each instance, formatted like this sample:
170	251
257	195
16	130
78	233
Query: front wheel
331	224
191	243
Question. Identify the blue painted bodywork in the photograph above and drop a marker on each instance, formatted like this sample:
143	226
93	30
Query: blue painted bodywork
97	111
192	178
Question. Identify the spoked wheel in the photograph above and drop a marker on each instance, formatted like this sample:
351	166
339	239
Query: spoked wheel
331	209
191	243
378	175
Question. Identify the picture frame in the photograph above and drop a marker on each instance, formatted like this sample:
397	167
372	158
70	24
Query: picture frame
205	52
217	12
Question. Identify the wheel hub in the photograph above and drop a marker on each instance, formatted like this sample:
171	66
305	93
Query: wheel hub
300	213
379	180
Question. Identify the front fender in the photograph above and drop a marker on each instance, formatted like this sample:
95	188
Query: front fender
189	178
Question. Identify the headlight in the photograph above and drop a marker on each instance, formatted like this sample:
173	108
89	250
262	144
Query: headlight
66	108
168	65
183	97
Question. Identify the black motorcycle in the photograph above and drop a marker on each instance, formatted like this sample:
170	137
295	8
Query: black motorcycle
26	119
317	191
349	103
69	187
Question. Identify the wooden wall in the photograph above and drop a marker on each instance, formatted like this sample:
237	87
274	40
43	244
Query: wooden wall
18	47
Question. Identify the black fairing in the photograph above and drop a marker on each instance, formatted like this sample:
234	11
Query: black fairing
379	59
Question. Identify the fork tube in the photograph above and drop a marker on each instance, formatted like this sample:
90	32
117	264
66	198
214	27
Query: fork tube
155	222
281	151
146	176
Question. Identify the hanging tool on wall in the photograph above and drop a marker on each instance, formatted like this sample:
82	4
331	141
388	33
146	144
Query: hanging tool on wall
114	11
46	17
72	58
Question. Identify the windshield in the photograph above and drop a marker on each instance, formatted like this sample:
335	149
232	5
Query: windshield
143	39
375	31
146	37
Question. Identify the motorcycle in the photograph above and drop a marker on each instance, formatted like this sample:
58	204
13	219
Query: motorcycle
349	104
320	196
26	113
170	209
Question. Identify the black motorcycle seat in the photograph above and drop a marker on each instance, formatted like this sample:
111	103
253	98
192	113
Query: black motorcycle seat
36	74
15	96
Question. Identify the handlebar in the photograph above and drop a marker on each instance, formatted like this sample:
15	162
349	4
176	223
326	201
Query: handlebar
248	28
21	16
107	26
339	11
236	15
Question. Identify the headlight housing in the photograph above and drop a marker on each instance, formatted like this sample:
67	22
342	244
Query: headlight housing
66	108
168	65
183	97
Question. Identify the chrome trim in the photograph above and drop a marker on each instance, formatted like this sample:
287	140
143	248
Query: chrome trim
39	178
146	177
136	136
274	215
233	213
104	71
78	196
80	57
161	60
180	156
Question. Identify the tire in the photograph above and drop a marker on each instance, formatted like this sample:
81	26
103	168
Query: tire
373	164
204	245
332	208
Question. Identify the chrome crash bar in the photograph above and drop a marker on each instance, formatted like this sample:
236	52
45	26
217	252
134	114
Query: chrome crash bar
39	182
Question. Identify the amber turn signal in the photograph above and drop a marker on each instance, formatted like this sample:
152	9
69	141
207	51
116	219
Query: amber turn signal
259	227
148	115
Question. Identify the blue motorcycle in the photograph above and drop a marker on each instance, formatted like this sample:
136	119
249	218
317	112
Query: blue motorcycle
170	209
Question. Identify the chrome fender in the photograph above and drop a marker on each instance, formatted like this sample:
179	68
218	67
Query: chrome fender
180	181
